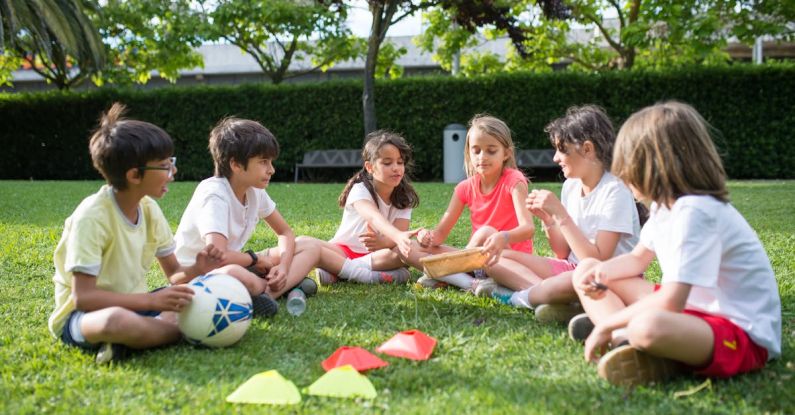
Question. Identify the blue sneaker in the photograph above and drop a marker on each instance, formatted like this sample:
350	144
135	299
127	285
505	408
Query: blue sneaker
490	288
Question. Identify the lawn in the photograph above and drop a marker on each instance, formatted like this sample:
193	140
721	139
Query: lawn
489	358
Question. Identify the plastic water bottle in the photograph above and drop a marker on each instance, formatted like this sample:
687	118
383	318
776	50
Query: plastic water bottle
296	302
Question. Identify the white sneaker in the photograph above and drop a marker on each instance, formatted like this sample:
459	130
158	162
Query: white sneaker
430	283
490	288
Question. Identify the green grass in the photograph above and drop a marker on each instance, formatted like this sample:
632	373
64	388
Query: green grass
489	358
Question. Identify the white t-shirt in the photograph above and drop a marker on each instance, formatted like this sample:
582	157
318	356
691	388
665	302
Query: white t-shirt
609	207
215	209
706	243
354	225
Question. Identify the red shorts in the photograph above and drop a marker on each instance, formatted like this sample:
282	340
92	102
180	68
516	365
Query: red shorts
733	351
349	253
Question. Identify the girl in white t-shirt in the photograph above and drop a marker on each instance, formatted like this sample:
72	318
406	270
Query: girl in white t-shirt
377	203
595	217
717	311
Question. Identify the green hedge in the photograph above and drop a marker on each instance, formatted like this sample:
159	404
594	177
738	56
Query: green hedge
44	136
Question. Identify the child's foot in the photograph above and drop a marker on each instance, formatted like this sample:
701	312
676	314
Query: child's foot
628	366
580	327
325	277
490	288
308	286
430	283
395	276
264	305
111	352
557	313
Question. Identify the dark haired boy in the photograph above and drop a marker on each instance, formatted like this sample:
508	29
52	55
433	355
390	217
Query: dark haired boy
108	244
225	210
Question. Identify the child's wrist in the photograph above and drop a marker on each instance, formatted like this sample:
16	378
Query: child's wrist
507	237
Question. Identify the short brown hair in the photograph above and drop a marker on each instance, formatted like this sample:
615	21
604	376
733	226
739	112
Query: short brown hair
239	140
581	124
665	151
119	145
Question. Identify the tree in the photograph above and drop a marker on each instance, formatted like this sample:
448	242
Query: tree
649	33
277	33
55	37
142	36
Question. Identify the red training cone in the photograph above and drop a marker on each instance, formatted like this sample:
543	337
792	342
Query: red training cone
411	344
357	357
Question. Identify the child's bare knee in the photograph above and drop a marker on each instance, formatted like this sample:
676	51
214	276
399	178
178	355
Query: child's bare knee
647	328
480	236
115	320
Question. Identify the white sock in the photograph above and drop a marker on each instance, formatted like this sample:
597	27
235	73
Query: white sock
356	272
459	279
521	299
364	261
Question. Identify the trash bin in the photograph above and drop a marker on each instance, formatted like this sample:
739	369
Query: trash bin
455	136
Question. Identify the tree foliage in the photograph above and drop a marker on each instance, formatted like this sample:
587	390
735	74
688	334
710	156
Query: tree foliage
142	36
55	37
606	34
277	33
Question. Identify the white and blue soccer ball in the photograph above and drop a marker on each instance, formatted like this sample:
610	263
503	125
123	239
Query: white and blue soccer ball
220	312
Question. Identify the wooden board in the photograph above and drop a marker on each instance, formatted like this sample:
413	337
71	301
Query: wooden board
466	260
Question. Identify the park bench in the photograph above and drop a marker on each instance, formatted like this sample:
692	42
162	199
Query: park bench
323	159
535	158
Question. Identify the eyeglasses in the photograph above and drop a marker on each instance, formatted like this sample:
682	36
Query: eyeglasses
170	169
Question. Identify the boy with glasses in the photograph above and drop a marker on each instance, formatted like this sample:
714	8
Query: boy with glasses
102	303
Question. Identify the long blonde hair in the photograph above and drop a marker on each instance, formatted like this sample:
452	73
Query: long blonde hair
496	128
665	151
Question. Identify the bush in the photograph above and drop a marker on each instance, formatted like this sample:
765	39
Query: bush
45	134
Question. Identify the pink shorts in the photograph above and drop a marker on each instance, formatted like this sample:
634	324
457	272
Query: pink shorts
733	352
350	253
560	266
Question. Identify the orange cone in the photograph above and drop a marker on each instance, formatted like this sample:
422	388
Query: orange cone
411	344
360	359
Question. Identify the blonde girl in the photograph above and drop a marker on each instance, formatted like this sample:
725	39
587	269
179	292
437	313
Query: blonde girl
494	192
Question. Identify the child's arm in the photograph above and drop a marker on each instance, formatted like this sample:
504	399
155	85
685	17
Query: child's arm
629	265
368	211
234	257
88	297
494	244
375	241
543	204
438	235
277	276
670	297
208	259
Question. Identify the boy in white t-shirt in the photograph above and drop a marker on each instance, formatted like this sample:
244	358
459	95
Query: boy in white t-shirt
225	210
109	242
717	311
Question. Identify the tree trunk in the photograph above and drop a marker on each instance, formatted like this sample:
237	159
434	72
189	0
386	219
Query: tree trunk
368	95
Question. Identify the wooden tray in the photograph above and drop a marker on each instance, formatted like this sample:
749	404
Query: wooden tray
466	260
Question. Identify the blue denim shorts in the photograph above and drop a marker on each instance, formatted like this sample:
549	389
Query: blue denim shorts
73	336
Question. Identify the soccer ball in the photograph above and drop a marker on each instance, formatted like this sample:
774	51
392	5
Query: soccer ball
220	312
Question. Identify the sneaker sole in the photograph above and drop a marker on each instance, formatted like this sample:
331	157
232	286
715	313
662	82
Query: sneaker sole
557	313
580	327
627	366
264	306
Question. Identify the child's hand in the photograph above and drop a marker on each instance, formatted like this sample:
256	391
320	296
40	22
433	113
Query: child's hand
426	238
404	241
277	278
373	240
264	265
596	344
173	298
594	282
546	201
209	259
494	245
